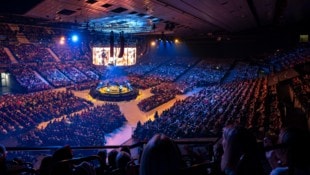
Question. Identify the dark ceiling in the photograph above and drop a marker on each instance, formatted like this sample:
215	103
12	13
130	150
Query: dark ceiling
179	17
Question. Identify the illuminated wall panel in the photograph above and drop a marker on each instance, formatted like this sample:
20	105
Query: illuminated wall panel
101	56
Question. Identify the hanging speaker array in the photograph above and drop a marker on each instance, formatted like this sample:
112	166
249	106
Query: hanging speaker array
122	45
112	44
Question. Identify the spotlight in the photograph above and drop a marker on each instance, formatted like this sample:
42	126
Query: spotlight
153	43
75	38
62	40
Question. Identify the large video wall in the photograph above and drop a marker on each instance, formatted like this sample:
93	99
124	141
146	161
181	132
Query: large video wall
101	56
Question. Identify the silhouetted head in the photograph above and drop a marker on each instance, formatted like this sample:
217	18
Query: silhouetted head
2	156
46	165
84	168
160	156
63	153
240	151
103	156
126	149
296	151
2	152
112	158
122	159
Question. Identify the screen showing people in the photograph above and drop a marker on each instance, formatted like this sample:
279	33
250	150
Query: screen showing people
101	56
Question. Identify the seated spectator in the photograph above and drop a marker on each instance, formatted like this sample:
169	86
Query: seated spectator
103	157
46	165
63	153
160	156
240	156
3	167
102	154
84	168
15	166
293	158
122	161
112	159
217	156
126	149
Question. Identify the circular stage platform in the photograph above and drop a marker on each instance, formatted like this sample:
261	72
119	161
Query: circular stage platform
114	92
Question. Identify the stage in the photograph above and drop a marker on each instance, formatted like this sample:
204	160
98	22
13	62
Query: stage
113	91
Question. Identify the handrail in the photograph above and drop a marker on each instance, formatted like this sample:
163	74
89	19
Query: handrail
81	159
134	145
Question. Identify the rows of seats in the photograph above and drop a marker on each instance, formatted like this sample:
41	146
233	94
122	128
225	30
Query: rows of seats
72	73
206	72
285	59
4	58
77	129
35	34
203	114
29	79
54	76
23	112
71	52
301	87
26	53
242	71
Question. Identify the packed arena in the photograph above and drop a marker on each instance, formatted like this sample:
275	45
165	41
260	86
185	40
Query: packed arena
100	97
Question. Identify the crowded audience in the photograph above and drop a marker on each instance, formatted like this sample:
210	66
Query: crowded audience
77	129
233	102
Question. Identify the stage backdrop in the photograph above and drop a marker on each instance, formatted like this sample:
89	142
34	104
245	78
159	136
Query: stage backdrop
101	56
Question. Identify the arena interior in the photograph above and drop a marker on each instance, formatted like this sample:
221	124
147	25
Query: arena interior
99	76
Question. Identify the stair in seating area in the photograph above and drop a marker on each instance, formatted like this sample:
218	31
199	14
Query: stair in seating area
21	38
53	54
11	56
38	75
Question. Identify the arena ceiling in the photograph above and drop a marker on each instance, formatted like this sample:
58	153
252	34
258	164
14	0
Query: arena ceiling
181	17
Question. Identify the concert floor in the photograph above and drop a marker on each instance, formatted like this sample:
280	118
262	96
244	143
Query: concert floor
128	108
132	113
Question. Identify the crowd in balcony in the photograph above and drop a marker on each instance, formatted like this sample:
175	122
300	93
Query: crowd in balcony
54	76
7	34
286	59
4	58
33	53
72	73
242	71
171	70
204	73
36	34
29	79
88	70
301	89
71	52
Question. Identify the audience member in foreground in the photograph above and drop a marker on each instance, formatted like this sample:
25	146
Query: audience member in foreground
294	156
63	153
240	156
3	167
160	156
11	167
